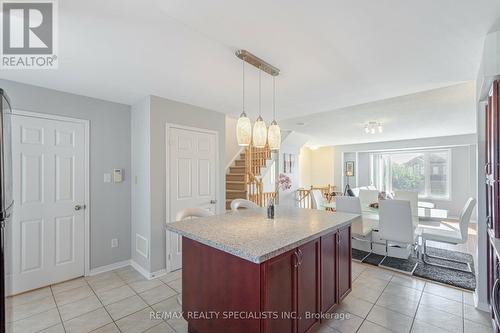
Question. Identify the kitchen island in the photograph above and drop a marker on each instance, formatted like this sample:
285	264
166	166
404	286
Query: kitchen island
245	273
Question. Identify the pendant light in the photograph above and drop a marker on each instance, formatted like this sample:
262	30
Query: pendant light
274	132
259	128
243	126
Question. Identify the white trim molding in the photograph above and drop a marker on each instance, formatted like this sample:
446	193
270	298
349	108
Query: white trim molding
142	251
107	268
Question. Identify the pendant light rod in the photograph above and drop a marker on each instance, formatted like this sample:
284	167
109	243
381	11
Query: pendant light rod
243	88
260	93
257	62
274	98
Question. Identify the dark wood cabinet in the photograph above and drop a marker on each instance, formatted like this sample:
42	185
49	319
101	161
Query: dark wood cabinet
329	272
287	293
492	166
308	286
492	198
344	262
279	291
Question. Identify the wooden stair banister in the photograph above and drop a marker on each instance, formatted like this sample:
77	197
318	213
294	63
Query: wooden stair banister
243	180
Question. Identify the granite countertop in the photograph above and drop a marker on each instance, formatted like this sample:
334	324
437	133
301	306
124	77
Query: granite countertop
248	234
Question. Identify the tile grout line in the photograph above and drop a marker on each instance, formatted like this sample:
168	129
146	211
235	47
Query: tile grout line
148	306
418	305
57	307
365	319
104	307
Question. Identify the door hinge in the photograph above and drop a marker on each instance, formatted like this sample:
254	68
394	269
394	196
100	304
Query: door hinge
169	256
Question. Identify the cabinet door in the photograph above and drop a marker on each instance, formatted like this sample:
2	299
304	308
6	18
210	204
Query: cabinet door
279	292
308	286
344	262
328	272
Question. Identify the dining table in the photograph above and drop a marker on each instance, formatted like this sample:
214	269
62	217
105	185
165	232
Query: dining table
369	218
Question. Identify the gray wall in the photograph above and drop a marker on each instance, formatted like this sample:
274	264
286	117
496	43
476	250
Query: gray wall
109	148
166	111
463	165
141	188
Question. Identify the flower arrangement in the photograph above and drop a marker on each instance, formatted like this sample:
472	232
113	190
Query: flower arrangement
284	182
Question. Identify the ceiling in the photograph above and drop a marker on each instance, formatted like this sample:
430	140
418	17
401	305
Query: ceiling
331	53
440	112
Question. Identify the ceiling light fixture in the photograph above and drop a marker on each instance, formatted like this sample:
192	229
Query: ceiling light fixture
243	126
261	135
373	127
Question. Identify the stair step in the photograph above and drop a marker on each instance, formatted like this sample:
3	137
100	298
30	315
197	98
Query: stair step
239	163
236	194
237	170
235	177
235	185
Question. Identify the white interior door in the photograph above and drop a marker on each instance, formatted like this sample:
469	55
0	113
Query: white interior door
48	226
192	179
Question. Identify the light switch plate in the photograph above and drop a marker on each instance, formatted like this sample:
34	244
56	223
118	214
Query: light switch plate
114	242
107	178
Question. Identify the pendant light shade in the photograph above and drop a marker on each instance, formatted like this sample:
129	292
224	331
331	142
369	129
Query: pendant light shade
274	131
244	130
274	136
243	126
260	128
259	133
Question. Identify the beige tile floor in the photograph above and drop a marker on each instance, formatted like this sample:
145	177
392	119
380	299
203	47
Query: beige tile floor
122	300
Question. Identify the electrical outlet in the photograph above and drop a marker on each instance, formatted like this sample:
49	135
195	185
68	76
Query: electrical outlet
114	242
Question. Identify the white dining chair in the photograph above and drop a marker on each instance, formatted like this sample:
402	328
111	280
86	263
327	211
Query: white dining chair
396	228
410	196
367	197
243	203
450	235
345	204
192	212
317	200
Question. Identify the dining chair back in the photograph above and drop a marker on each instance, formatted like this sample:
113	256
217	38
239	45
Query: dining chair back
243	203
368	197
410	196
317	200
192	212
347	204
464	218
395	221
355	191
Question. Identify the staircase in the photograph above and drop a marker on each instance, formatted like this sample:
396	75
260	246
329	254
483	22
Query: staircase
241	180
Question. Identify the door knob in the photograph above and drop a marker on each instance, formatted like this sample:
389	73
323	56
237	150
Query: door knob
213	202
78	207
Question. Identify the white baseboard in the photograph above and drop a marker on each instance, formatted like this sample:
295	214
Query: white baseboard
144	272
109	267
159	273
124	263
480	305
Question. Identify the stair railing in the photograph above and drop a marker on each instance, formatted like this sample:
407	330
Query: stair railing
303	196
255	159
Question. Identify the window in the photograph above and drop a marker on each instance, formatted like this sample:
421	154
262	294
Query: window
425	172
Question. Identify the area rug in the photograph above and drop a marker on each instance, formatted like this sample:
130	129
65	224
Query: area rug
406	266
373	259
359	255
448	276
452	277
